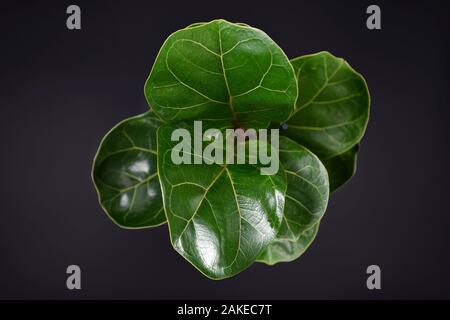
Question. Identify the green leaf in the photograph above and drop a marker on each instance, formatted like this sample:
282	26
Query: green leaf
332	109
125	173
285	250
306	201
307	192
341	167
221	217
221	70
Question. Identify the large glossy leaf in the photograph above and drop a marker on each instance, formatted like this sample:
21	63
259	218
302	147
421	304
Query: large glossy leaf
341	167
332	109
125	173
221	70
307	192
286	250
306	201
221	217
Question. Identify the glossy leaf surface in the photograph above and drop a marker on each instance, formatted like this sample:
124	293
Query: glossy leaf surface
221	70
306	201
221	217
307	192
125	173
333	106
287	250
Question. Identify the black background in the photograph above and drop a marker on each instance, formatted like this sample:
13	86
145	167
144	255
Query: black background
62	90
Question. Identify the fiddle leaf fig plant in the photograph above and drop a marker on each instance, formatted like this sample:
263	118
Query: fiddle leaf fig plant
218	220
332	111
125	173
221	70
224	216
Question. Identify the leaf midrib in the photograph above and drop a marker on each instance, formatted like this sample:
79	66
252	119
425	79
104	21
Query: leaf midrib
230	99
215	179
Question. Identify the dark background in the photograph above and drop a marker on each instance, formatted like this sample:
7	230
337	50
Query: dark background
62	90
